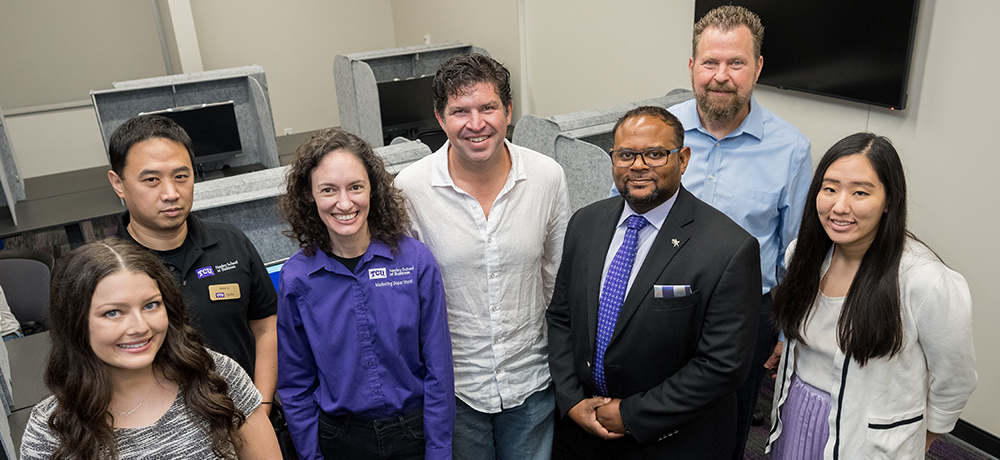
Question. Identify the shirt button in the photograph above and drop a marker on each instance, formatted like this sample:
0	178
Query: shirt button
711	177
496	308
489	240
361	306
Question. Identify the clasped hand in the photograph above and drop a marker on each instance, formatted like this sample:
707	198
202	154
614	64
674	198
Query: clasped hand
599	416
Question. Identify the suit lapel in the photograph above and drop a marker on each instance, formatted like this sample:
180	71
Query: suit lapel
603	232
660	254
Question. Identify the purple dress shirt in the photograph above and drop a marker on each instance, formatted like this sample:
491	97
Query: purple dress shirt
373	343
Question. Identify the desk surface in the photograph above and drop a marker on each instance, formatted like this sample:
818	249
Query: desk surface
77	196
62	199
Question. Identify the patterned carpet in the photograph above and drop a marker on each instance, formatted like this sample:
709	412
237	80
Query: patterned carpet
946	447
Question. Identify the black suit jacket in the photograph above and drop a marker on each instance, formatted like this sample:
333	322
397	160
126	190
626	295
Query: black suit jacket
676	363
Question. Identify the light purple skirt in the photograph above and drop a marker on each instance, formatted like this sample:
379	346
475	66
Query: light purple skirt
804	425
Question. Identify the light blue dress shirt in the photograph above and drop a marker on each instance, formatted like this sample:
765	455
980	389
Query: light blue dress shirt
758	175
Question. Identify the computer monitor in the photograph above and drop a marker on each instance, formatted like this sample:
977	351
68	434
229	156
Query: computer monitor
214	131
407	107
274	271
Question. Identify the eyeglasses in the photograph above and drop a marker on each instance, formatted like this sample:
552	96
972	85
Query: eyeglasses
652	157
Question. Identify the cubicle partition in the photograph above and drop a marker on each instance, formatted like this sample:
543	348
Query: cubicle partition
358	76
580	141
245	86
250	201
11	184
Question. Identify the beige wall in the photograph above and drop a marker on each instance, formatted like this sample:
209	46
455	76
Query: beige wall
56	142
295	41
596	54
56	51
591	54
950	165
488	24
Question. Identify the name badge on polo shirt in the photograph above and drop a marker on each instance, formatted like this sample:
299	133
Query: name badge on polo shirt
224	291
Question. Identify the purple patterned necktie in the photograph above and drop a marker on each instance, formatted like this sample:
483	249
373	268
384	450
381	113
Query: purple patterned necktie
613	295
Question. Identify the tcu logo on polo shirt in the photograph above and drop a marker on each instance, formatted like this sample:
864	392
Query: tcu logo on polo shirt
205	271
376	273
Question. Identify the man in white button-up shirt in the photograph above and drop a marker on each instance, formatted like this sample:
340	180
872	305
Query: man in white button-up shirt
494	214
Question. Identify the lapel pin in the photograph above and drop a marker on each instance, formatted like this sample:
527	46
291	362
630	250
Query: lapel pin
676	243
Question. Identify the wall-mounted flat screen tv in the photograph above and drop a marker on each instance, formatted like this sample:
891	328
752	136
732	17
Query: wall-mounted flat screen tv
857	50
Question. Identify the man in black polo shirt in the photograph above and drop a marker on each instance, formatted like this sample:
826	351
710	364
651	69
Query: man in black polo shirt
230	296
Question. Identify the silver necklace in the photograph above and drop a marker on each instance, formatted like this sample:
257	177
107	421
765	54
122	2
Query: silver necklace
137	406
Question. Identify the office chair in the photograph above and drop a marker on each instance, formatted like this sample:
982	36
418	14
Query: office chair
24	276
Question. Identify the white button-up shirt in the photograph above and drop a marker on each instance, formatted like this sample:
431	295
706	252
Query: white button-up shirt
498	273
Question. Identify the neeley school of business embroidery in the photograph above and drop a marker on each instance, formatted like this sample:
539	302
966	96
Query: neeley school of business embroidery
384	273
208	271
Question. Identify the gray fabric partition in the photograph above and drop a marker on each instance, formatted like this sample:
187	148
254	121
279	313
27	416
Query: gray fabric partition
11	184
579	142
357	74
245	86
250	201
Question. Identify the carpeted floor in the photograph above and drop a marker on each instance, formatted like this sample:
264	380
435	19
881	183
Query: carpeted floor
946	448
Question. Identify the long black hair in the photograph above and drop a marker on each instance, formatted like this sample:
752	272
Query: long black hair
870	324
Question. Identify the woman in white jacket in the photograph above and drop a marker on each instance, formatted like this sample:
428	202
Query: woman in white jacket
879	358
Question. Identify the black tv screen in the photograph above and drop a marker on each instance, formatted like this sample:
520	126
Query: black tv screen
857	50
214	131
407	107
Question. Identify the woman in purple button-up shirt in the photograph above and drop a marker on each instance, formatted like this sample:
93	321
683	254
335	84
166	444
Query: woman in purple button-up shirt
364	355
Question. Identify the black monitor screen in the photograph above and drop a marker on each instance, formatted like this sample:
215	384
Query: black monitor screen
407	107
214	132
851	49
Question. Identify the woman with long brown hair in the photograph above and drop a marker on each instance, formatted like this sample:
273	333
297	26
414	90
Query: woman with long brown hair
130	378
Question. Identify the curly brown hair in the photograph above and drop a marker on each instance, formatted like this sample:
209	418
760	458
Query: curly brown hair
387	219
79	379
463	72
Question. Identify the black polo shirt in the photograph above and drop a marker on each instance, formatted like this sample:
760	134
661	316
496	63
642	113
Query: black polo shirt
225	284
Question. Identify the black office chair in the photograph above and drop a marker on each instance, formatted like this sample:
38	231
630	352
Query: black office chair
24	276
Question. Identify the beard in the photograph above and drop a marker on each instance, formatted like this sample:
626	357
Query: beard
655	197
721	109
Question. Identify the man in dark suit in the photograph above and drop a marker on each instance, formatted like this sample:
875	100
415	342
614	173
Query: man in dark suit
651	326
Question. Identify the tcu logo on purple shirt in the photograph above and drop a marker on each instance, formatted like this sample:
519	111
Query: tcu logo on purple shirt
376	273
205	271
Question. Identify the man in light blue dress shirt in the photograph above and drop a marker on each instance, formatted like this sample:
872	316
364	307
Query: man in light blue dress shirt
745	161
